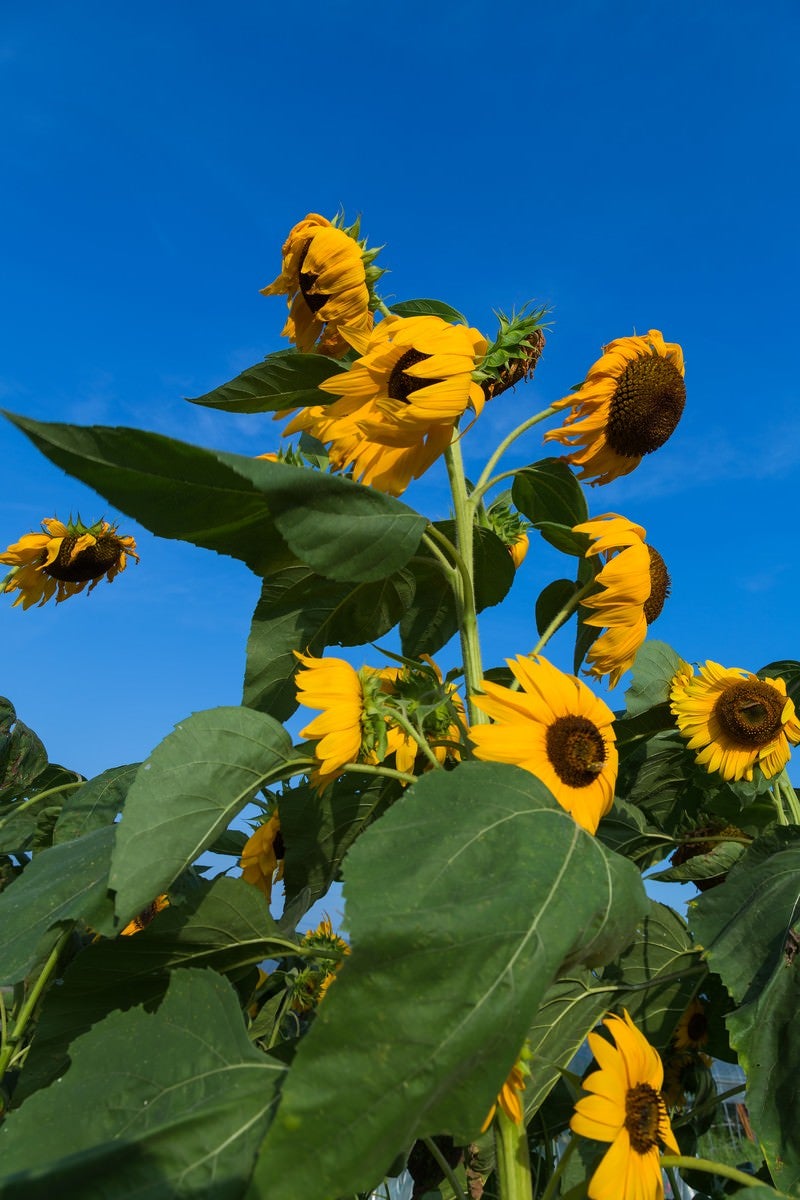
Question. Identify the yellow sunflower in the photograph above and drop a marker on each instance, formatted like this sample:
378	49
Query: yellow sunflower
518	549
400	401
557	729
262	856
735	721
628	405
143	919
63	560
508	1098
425	699
634	584
625	1107
692	1031
325	276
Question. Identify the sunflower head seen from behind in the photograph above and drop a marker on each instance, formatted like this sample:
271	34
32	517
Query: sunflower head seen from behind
557	729
632	587
65	558
625	1107
326	275
263	854
628	405
736	722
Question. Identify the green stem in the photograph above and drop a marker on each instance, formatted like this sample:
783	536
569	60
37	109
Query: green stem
479	492
711	1168
400	719
465	602
513	1159
556	623
387	312
389	772
784	788
18	808
553	1181
504	445
444	1166
12	1040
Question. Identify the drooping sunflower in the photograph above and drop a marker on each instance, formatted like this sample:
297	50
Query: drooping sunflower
625	1107
735	721
325	274
262	856
628	405
143	919
63	560
634	583
557	729
400	401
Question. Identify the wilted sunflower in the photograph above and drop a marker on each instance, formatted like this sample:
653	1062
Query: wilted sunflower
557	729
628	405
634	584
735	720
262	856
143	919
325	275
400	401
63	560
625	1107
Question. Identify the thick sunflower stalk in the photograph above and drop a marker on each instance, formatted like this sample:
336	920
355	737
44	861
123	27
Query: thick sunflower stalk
174	1013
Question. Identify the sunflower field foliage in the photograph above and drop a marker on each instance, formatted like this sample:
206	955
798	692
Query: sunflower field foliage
505	1013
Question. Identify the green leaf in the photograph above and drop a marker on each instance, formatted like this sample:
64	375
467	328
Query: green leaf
430	620
95	804
163	1105
627	831
548	492
653	670
248	508
59	886
657	775
550	602
424	308
749	929
299	610
717	861
187	792
225	925
570	1009
464	902
788	670
564	538
318	830
283	380
22	755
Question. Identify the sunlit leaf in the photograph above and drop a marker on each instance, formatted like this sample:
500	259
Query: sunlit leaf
283	380
425	308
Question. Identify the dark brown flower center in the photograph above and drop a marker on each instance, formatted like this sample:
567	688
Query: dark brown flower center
659	586
401	383
750	713
576	750
87	564
646	406
697	1028
643	1108
307	279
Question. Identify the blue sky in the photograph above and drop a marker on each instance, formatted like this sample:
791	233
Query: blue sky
633	165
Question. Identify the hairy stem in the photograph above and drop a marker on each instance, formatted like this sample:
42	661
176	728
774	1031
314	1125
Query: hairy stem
465	603
486	473
14	1036
513	1159
444	1165
711	1168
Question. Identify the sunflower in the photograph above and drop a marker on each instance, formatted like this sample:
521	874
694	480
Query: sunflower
325	275
508	1098
262	856
735	720
63	560
634	584
692	1030
557	729
625	1107
399	402
143	919
427	702
628	405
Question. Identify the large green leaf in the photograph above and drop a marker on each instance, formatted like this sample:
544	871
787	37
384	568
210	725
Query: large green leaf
95	804
547	492
318	830
425	308
464	902
750	930
283	380
59	886
158	1105
787	669
248	508
299	610
187	792
430	620
225	925
653	670
22	755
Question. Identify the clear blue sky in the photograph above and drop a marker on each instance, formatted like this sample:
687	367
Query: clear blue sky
632	164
